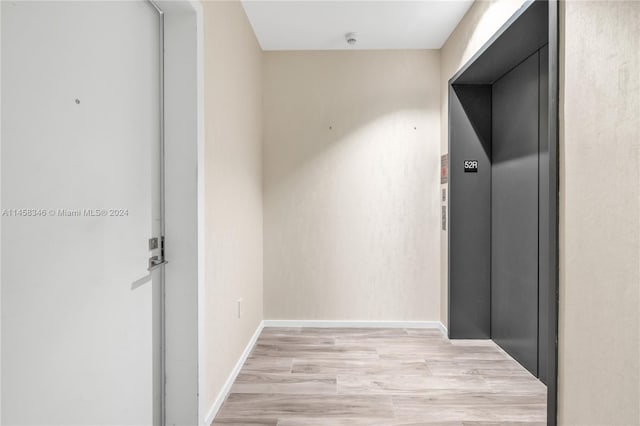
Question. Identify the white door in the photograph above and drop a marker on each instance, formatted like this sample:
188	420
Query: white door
80	137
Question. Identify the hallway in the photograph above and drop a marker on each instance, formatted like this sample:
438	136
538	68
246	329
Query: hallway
320	213
349	376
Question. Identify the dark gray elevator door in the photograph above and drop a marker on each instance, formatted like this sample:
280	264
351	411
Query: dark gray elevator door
514	217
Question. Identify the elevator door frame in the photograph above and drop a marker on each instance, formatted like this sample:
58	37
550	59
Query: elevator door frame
503	47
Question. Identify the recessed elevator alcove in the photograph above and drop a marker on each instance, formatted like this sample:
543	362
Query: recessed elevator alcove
501	202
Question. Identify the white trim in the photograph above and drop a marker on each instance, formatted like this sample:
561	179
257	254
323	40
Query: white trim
184	23
444	329
222	395
356	324
200	170
0	220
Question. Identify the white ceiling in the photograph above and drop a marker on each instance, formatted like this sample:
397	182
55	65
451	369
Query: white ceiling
322	25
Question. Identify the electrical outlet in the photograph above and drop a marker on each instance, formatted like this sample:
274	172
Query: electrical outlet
239	308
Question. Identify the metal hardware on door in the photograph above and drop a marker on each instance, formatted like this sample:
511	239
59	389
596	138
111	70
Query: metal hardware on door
153	243
156	261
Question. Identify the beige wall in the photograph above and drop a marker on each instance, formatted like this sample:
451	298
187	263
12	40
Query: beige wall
351	213
481	22
233	189
599	372
351	169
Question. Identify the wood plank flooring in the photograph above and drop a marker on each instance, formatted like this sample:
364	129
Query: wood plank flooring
380	377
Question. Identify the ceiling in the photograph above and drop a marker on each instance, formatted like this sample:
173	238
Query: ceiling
322	25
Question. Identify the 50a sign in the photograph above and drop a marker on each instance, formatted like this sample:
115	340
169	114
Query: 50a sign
471	166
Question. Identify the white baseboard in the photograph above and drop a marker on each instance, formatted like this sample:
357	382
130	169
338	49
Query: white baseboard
356	324
222	395
444	329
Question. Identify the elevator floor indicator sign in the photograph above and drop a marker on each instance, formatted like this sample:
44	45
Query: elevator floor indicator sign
471	166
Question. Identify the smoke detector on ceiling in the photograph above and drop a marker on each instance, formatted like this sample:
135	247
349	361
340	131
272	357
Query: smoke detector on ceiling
351	38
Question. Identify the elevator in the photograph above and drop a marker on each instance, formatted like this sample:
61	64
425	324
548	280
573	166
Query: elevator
503	193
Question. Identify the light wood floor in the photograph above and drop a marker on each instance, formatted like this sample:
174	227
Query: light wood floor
380	377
